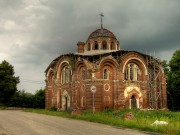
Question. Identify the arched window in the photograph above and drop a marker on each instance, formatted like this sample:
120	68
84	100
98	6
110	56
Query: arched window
89	47
96	45
132	72
63	76
105	74
83	101
83	74
112	46
104	45
66	75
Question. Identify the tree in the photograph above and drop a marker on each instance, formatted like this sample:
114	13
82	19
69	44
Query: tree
165	66
173	82
39	99
8	82
22	99
28	100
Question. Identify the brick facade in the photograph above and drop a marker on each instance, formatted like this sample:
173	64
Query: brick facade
122	78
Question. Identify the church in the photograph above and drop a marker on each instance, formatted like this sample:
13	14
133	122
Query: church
101	76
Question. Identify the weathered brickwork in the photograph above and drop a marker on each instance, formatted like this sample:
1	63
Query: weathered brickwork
123	79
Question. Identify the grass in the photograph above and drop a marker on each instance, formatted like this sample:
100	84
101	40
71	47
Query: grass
2	107
142	121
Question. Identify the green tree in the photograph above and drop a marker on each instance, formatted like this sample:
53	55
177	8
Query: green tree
22	99
173	82
165	66
39	99
28	100
8	82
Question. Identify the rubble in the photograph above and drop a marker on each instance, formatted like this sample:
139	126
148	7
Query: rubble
159	123
128	115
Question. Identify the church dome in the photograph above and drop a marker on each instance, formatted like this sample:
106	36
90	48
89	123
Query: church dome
101	33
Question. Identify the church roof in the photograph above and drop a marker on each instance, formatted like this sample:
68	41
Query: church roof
101	33
113	53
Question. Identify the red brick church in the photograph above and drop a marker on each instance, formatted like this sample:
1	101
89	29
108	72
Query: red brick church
102	75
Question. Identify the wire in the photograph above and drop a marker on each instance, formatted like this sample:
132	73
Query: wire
32	81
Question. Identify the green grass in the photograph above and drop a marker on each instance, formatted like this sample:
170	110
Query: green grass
142	121
2	107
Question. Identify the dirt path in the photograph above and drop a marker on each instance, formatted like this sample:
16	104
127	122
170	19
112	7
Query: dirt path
24	123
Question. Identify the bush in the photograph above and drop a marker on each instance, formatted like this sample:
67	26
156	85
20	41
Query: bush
53	108
28	100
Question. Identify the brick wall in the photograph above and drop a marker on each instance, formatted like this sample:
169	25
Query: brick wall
110	92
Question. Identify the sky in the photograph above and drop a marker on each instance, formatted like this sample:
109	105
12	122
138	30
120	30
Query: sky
34	32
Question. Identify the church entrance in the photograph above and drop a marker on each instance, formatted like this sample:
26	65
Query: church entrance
133	102
66	103
65	100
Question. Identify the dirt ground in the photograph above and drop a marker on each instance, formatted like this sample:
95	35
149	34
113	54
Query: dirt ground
24	123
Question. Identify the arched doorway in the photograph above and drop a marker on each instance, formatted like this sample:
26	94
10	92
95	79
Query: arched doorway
133	97
133	102
65	100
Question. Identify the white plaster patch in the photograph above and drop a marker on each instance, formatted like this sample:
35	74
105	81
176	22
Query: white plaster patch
130	88
65	93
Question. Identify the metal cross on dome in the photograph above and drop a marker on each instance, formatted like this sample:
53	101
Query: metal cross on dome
101	19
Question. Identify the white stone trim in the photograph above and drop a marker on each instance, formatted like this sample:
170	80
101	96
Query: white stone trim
49	71
65	61
83	100
145	69
130	88
107	88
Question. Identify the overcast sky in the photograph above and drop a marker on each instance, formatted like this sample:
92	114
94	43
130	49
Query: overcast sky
34	32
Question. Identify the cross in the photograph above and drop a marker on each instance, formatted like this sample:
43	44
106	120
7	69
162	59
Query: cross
101	19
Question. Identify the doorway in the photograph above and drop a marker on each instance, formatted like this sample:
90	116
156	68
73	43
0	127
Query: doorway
66	103
133	102
65	100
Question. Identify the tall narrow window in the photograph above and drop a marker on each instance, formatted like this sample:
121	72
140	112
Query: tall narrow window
65	75
117	46
112	46
104	45
96	45
132	72
69	75
137	74
89	47
83	74
83	101
126	74
105	74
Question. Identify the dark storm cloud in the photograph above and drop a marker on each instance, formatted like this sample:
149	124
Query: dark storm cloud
38	31
149	25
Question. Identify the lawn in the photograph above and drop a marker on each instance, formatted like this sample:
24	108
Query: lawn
142	120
